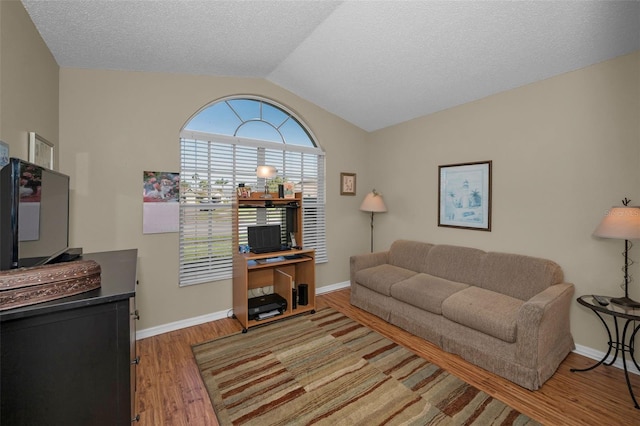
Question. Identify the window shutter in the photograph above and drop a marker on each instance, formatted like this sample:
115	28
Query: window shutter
212	167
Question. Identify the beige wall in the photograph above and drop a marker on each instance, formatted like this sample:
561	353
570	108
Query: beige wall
115	125
563	150
28	82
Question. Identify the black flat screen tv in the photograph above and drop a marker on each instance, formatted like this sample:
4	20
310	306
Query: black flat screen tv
34	214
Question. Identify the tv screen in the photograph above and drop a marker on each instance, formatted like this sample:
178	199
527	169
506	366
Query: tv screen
34	214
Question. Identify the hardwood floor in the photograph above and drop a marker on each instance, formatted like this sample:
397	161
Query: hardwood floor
170	390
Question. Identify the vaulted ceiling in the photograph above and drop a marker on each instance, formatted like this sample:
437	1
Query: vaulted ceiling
373	63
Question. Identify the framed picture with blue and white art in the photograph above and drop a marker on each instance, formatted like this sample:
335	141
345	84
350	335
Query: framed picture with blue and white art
464	192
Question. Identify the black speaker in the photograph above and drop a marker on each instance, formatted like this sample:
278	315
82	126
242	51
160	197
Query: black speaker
303	294
280	191
294	298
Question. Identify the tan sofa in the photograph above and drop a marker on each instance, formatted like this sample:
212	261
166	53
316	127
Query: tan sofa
506	313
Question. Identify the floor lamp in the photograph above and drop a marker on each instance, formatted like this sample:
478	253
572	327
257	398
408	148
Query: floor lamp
373	203
622	223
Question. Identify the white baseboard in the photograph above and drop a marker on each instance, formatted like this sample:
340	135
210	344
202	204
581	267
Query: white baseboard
598	355
333	287
177	325
190	322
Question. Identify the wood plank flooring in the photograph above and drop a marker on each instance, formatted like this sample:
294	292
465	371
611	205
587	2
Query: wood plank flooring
170	390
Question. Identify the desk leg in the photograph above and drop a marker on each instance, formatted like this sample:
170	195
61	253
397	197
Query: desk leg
606	327
628	348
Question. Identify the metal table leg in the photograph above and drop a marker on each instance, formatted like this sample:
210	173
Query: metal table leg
606	327
628	348
621	347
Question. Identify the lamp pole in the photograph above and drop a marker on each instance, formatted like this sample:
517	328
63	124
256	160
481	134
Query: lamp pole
371	232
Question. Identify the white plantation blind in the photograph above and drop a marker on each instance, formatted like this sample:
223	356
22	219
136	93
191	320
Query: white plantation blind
212	167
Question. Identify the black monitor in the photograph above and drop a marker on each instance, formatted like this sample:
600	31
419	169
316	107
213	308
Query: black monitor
264	238
34	214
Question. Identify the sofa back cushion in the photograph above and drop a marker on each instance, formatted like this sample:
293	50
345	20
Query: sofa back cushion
409	254
454	263
518	276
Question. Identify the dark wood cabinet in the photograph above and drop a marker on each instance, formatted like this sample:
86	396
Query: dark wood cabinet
72	361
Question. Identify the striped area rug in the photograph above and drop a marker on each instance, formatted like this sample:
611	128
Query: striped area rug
328	369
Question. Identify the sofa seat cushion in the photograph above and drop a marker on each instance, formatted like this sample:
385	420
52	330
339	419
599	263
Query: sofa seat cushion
483	310
425	291
380	278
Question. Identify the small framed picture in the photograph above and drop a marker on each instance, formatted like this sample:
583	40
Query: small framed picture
465	196
289	189
40	151
244	191
347	184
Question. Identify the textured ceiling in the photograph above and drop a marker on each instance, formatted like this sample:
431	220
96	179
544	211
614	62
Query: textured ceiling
373	63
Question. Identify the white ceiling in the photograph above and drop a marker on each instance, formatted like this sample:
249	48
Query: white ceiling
373	63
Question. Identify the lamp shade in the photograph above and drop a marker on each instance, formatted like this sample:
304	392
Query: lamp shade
620	222
373	202
266	172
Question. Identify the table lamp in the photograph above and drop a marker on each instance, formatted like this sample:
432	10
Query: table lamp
373	203
622	223
266	172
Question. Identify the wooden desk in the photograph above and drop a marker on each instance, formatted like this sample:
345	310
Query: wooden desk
283	275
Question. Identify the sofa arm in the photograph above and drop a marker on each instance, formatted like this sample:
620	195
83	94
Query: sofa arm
543	323
368	260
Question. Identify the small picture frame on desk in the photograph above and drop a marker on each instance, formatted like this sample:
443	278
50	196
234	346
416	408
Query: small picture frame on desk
288	190
347	184
244	191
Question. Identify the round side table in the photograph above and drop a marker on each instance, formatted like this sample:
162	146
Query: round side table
623	344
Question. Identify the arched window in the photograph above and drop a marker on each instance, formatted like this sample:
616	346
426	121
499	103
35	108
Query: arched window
251	119
220	148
